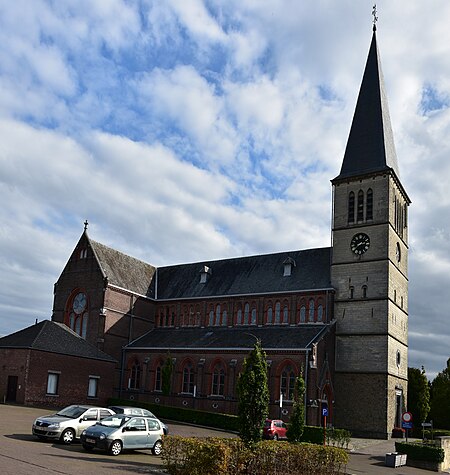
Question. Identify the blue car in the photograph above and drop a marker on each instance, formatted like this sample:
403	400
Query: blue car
124	432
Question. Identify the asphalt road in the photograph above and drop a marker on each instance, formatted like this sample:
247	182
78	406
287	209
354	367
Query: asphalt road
23	454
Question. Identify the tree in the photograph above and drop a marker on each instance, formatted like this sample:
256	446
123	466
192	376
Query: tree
440	397
166	375
253	395
418	394
297	420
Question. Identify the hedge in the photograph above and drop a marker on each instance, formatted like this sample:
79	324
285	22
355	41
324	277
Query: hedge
209	419
210	456
420	451
229	422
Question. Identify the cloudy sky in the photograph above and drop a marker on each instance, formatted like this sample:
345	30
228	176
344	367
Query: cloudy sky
190	130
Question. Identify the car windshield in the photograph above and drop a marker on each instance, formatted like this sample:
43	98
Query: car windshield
268	424
72	411
117	420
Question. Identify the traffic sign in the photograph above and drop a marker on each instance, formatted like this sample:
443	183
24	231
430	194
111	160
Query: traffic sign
407	417
324	411
427	424
407	425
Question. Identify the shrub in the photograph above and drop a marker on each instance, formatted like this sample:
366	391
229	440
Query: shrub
190	456
420	451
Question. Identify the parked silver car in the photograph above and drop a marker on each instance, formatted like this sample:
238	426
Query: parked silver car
69	423
138	411
121	432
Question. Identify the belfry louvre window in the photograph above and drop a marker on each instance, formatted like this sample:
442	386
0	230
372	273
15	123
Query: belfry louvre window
369	204
360	216
351	207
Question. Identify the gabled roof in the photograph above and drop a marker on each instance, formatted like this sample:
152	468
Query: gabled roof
53	337
247	275
370	147
297	337
122	270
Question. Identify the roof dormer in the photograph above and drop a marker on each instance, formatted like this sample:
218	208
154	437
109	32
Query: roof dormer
205	274
288	264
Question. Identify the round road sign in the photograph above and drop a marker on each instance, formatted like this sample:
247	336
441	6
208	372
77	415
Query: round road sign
407	417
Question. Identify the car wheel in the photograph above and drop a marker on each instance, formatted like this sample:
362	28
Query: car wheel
88	448
115	448
157	448
67	436
275	437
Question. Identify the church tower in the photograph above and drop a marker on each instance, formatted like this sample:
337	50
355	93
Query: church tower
369	268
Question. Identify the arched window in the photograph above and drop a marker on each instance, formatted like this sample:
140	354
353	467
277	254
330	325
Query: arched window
158	377
224	318
311	310
77	314
369	204
277	312
218	380
253	322
269	314
217	315
287	382
351	208
360	205
211	318
302	314
319	312
135	376
188	378
285	314
364	291
352	292
239	316
246	313
84	325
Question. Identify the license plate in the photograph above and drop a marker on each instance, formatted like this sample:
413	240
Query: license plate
90	441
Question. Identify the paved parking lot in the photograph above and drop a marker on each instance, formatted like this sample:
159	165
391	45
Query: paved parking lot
23	454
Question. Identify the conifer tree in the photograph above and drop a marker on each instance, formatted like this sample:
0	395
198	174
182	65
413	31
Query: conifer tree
253	395
297	420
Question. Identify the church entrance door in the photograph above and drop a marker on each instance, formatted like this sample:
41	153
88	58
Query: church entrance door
11	391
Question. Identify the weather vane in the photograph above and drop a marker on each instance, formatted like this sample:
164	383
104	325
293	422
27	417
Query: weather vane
375	18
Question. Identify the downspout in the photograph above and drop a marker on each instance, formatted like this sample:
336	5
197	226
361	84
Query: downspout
121	373
305	396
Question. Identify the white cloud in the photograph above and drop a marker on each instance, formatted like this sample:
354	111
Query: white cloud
215	125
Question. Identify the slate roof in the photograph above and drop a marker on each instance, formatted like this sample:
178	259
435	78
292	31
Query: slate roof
239	337
370	147
124	271
53	337
247	275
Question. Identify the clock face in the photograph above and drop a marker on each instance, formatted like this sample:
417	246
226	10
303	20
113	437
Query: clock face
360	243
79	303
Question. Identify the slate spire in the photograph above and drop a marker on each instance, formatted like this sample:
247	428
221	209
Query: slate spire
370	146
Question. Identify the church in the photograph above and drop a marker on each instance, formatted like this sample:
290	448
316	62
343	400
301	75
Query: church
337	315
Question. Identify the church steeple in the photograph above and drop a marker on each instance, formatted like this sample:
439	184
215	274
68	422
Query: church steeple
370	146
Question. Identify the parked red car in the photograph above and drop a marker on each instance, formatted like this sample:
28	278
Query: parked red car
274	429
